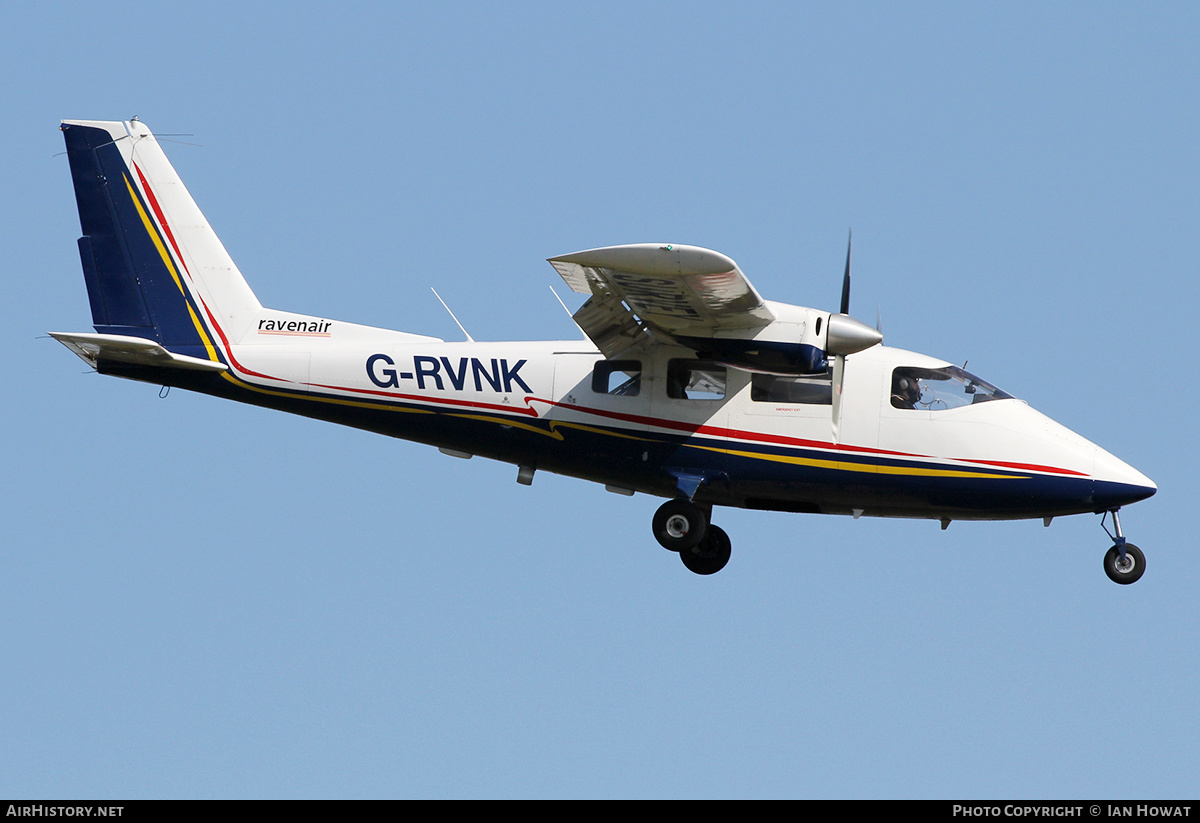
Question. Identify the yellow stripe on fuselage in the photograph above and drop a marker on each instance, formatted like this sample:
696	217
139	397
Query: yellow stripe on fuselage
154	236
166	258
863	468
320	398
505	421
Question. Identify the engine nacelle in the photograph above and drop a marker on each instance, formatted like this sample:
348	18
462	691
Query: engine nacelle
801	342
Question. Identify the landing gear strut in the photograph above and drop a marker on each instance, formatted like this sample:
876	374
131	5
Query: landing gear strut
1124	563
683	526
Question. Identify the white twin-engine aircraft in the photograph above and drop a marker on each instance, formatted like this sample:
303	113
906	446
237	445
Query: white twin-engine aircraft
693	387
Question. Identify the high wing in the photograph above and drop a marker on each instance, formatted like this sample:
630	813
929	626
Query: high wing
683	292
650	293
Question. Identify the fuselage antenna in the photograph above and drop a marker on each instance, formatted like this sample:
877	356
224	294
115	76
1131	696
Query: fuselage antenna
470	339
568	311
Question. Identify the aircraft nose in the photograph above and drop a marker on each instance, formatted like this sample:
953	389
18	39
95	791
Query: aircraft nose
1117	483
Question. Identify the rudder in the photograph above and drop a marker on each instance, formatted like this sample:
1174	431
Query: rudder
153	266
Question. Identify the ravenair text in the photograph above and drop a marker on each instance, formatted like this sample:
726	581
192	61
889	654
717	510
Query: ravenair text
442	373
308	327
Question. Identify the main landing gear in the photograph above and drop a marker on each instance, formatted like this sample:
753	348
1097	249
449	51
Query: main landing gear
1124	562
683	526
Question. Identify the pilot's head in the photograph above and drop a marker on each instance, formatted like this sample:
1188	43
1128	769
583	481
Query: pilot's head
906	392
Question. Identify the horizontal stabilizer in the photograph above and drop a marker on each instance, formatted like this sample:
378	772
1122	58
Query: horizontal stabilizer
133	351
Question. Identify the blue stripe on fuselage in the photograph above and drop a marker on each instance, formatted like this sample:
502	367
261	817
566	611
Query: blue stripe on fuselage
759	475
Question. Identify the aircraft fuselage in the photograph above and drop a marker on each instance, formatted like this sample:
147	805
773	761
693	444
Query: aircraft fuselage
539	405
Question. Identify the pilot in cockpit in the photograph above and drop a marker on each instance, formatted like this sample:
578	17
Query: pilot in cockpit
906	391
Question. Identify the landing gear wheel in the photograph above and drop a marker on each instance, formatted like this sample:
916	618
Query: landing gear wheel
711	555
1126	571
679	524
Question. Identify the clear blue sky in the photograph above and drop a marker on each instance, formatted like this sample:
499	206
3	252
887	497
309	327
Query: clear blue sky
207	600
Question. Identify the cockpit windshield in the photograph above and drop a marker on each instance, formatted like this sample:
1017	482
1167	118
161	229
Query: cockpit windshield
935	389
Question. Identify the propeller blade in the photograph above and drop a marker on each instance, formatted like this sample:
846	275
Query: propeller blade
839	371
844	336
846	277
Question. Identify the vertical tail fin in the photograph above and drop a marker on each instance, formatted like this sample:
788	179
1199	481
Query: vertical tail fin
154	268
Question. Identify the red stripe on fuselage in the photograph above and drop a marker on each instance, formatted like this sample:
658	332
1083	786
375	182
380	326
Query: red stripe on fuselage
162	221
212	321
470	404
1025	466
693	428
675	425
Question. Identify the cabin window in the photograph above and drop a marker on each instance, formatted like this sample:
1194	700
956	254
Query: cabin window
620	377
811	390
695	380
938	389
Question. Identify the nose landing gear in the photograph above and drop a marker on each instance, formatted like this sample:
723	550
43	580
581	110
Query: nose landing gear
1124	563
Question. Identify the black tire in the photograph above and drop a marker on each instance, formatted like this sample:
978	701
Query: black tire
679	524
1131	572
711	555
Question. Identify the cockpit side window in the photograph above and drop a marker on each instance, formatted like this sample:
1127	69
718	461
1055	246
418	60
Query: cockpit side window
937	389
